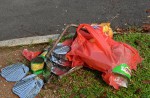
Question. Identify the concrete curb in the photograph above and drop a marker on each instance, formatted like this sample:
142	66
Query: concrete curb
31	40
28	40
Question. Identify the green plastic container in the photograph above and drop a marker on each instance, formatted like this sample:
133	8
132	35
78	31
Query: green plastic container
123	69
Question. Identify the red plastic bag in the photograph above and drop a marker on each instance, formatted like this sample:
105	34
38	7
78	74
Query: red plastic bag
94	49
29	54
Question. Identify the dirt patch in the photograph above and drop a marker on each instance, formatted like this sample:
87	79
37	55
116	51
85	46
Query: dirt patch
13	55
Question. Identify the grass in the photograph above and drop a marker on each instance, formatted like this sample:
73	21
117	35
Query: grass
87	83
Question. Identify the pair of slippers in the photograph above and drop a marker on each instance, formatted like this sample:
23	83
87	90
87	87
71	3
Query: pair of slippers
25	87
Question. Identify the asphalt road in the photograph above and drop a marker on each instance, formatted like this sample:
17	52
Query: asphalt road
22	18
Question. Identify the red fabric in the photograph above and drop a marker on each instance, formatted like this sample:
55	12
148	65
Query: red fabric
29	54
101	52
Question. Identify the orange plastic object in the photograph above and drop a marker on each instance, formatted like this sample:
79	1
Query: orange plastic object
94	49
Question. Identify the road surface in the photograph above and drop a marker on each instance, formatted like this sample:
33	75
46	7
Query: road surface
23	18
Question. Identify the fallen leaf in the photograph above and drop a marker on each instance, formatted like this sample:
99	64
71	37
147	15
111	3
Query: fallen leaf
72	95
115	91
132	29
137	42
148	11
82	96
104	95
119	30
146	27
141	66
146	81
138	91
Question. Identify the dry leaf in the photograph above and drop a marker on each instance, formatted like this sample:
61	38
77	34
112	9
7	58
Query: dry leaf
119	30
72	95
104	95
146	27
137	91
148	11
146	81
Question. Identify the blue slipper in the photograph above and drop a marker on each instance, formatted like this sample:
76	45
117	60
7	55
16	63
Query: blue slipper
14	72
28	87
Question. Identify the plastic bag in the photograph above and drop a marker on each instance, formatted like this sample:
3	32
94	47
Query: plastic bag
29	54
96	50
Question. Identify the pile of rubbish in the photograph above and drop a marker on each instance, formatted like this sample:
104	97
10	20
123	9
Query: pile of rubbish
92	46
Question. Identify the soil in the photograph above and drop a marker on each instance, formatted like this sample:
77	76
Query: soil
12	55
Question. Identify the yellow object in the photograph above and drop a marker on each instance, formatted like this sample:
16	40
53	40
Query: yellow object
37	66
43	54
107	29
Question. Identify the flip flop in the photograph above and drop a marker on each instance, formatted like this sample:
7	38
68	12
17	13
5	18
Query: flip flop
28	87
14	72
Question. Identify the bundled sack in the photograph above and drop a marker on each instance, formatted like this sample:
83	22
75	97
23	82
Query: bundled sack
95	49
